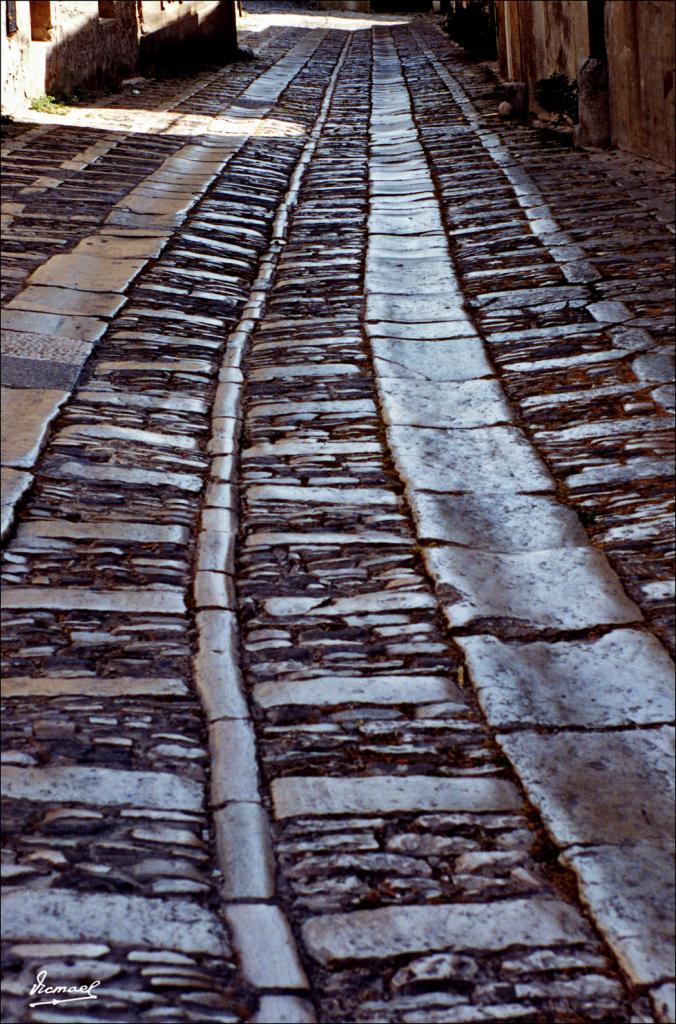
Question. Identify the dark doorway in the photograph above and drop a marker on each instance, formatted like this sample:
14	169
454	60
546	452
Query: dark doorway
597	29
41	20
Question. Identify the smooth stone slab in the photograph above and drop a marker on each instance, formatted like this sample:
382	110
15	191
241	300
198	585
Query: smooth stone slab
244	852
346	496
663	998
599	787
625	677
111	432
336	690
472	403
106	529
415	308
120	247
25	345
301	370
497	522
349	407
394	931
445	330
384	794
609	311
90	686
413	276
67	916
573	588
74	328
423	360
629	890
382	601
81	599
129	475
312	447
388	222
234	772
633	469
429	246
104	786
413	184
284	1010
486	459
69	301
272	963
216	669
26	416
87	272
14	483
266	539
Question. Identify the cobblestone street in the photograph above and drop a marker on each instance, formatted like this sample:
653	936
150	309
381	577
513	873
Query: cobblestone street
337	502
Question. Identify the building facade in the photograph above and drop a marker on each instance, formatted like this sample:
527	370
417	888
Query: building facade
625	47
59	46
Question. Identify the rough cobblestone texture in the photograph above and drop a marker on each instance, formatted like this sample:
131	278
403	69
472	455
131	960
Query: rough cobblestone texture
374	351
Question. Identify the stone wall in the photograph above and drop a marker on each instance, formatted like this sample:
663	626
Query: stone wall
87	51
178	31
539	38
70	45
14	57
640	40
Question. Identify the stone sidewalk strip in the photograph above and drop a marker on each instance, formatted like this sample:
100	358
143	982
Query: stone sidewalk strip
522	592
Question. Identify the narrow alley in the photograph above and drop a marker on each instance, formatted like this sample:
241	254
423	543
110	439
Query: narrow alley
338	520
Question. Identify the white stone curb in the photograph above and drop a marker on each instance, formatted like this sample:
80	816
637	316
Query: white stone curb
260	932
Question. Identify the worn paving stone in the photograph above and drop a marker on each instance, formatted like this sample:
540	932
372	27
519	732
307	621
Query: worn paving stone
70	301
599	787
438	361
396	690
26	416
73	327
623	678
475	403
384	794
87	272
101	785
392	931
130	920
62	686
629	890
13	483
496	522
491	459
275	965
79	598
571	588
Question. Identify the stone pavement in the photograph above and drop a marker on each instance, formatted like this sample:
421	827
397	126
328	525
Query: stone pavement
336	590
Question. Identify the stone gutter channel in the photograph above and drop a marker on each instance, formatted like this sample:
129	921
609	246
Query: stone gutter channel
511	563
242	829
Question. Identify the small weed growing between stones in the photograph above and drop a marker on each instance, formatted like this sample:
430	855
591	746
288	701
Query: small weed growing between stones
58	104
